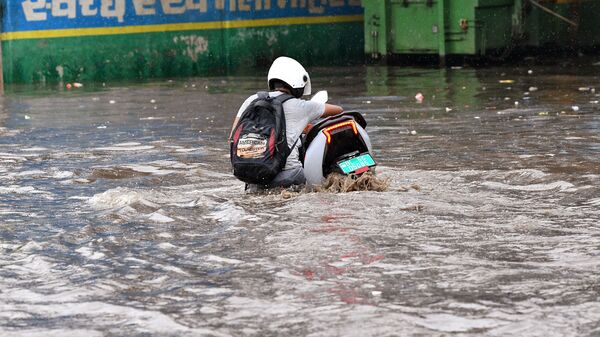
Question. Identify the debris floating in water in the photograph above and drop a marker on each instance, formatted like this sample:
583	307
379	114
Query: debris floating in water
419	97
575	108
69	86
507	81
531	89
338	183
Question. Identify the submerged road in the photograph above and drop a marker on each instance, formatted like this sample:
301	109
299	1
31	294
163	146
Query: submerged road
119	217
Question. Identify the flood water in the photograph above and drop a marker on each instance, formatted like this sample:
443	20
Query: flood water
119	215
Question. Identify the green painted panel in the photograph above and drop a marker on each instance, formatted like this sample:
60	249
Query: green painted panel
588	33
461	39
414	27
495	31
477	27
173	54
376	18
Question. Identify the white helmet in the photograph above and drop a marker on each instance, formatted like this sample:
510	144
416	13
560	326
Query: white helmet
292	73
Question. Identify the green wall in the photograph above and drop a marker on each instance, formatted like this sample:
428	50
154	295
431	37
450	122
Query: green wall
182	53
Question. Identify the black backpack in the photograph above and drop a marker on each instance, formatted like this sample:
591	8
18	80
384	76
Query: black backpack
259	148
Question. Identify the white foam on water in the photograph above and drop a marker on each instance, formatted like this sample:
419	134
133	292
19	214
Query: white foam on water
172	268
360	321
468	306
62	174
165	235
136	260
230	213
151	118
8	132
562	186
34	149
555	320
218	259
593	202
523	175
32	264
136	319
28	296
16	189
173	164
118	197
531	173
159	217
208	310
392	269
27	214
127	212
31	246
129	146
167	246
89	253
12	157
158	280
8	246
52	333
188	150
31	173
244	307
453	323
211	291
434	248
149	169
79	197
286	274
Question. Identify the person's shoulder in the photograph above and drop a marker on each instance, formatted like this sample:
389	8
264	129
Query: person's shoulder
306	103
251	97
249	100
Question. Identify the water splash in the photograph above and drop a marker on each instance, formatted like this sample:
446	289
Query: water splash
338	183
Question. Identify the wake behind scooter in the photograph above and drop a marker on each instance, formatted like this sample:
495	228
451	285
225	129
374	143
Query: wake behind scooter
337	144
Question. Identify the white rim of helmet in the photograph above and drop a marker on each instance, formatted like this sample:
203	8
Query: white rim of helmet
290	71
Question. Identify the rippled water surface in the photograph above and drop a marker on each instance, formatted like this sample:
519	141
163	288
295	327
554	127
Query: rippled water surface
119	216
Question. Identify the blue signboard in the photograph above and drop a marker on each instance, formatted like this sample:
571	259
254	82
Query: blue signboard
34	15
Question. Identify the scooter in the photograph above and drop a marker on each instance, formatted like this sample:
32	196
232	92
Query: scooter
337	144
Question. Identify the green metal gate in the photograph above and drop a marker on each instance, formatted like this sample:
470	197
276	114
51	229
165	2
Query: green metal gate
476	27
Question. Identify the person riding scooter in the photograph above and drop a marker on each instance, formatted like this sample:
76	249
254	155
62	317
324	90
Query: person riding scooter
287	76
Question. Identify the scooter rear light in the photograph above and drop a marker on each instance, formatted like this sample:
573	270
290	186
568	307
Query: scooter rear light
327	131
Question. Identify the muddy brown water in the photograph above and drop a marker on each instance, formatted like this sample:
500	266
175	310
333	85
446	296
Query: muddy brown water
119	216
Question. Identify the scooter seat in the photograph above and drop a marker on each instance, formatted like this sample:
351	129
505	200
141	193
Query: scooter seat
310	136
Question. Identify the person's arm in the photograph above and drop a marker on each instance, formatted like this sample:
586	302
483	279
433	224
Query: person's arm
235	123
332	110
328	110
239	115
